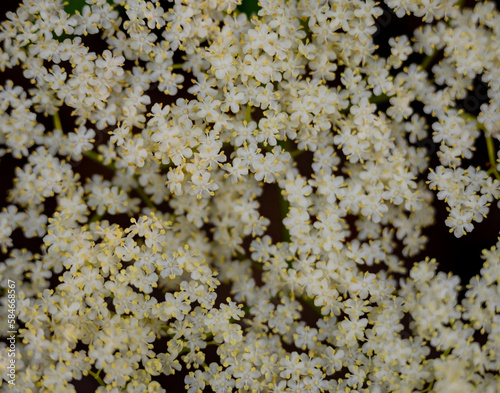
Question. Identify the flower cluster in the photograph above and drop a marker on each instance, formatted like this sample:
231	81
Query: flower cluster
150	137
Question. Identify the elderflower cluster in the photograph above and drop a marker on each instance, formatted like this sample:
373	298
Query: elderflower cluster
238	199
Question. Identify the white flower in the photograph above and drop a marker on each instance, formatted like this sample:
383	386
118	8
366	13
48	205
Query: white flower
224	66
110	64
202	185
460	222
133	152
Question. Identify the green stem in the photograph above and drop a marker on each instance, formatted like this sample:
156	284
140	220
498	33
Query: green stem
248	116
97	377
145	197
310	303
94	156
491	155
177	66
95	217
429	388
240	256
469	117
429	59
490	144
267	147
296	153
380	99
57	121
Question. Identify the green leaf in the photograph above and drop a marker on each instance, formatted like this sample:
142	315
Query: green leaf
72	6
249	7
